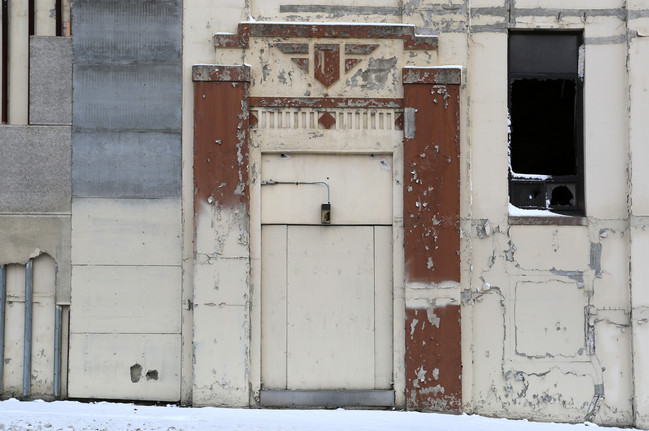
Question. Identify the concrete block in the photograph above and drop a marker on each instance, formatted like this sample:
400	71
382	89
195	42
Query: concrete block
126	165
613	348
125	366
35	166
638	114
221	360
117	31
127	97
50	80
126	299
551	247
640	370
545	325
356	199
126	232
612	290
222	281
25	236
605	122
639	267
220	231
488	53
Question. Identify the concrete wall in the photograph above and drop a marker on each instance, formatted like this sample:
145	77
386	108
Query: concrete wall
126	208
35	205
553	310
546	304
550	304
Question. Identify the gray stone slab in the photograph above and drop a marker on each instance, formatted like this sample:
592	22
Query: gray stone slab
126	31
50	80
327	398
126	165
35	169
127	98
25	236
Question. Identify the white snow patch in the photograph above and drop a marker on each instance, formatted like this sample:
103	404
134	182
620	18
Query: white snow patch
516	211
69	415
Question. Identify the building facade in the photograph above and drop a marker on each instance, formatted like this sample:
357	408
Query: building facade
426	205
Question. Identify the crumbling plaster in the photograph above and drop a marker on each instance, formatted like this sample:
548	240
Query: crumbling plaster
586	374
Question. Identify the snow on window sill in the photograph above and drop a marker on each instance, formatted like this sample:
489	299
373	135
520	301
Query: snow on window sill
520	216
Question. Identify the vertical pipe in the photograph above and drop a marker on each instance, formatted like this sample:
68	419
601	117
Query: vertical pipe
5	61
59	17
31	14
3	299
27	359
58	323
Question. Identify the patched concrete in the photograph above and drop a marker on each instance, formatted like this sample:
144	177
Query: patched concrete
35	166
26	236
50	80
126	165
126	232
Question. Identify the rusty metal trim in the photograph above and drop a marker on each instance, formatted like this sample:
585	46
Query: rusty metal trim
548	221
433	75
406	32
220	73
326	102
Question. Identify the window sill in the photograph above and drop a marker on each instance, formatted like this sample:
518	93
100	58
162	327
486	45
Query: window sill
549	220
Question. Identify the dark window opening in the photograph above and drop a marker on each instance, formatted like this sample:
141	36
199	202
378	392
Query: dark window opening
545	108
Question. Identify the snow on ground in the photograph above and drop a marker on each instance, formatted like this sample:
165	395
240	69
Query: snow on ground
103	416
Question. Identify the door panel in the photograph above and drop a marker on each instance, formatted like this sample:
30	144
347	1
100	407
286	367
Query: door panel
326	307
330	341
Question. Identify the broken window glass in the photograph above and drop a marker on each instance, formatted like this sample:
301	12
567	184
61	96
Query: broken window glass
545	110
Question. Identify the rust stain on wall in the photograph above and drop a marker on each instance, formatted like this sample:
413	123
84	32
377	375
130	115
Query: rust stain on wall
221	138
433	359
406	32
326	102
432	184
432	237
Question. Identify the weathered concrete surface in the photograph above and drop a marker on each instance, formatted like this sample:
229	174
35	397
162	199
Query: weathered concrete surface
127	78
433	360
221	223
43	309
35	166
199	23
119	366
50	80
153	292
126	164
127	97
126	232
131	31
25	236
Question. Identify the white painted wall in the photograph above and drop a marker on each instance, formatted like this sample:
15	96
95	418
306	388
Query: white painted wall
535	299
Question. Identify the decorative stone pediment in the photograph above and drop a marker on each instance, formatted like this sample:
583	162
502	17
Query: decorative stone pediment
324	59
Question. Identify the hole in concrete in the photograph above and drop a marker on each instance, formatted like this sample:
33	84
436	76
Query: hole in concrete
152	375
136	373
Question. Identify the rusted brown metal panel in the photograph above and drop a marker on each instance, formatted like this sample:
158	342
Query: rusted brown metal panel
433	359
406	32
432	238
432	183
221	144
326	102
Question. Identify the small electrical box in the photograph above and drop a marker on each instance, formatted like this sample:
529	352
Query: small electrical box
325	213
